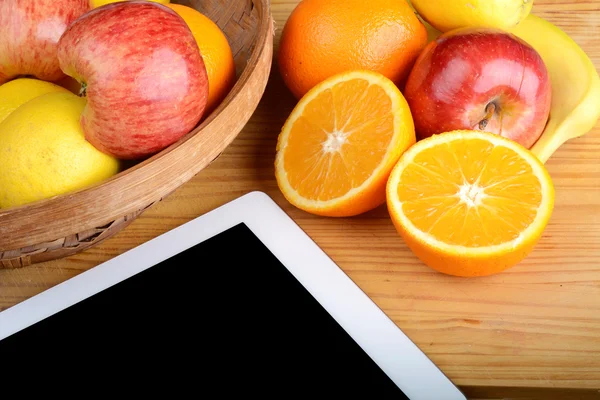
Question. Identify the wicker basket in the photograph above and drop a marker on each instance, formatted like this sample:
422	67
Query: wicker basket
67	224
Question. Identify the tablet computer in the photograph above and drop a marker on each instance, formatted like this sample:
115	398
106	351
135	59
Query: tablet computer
237	302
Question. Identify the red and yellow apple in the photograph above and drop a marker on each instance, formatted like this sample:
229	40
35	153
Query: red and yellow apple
483	79
29	34
142	73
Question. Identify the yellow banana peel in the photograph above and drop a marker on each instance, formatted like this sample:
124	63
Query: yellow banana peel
447	15
575	108
575	105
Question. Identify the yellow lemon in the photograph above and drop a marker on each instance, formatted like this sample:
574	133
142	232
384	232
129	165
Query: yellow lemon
446	15
98	3
44	152
19	91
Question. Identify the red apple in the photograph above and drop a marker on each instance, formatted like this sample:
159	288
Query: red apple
143	75
482	79
29	34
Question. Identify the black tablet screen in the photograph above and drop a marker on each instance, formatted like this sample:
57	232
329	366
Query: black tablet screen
224	317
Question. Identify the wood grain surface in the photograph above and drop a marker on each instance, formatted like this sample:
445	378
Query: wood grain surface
532	332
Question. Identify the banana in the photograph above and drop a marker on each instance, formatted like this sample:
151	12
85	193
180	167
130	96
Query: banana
575	108
446	15
432	33
575	105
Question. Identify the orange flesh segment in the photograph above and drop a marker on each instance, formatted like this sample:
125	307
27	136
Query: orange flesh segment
340	139
475	203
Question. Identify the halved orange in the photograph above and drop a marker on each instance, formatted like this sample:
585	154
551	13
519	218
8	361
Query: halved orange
338	146
470	203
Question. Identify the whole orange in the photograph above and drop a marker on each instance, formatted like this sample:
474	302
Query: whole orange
324	37
215	50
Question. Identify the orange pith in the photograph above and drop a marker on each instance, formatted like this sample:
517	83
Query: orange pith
463	206
337	148
470	203
315	137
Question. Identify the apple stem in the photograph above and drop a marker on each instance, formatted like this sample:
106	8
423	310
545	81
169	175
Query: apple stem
82	90
489	110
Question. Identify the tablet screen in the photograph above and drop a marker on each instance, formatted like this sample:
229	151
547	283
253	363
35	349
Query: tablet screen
224	316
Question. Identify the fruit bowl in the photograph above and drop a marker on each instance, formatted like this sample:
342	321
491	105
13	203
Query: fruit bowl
64	225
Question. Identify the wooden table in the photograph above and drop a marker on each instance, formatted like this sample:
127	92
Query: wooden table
530	332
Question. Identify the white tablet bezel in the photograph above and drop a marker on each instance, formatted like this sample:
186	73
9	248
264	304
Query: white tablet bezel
407	366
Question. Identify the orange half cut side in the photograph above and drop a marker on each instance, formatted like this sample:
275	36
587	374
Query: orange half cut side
340	143
470	203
